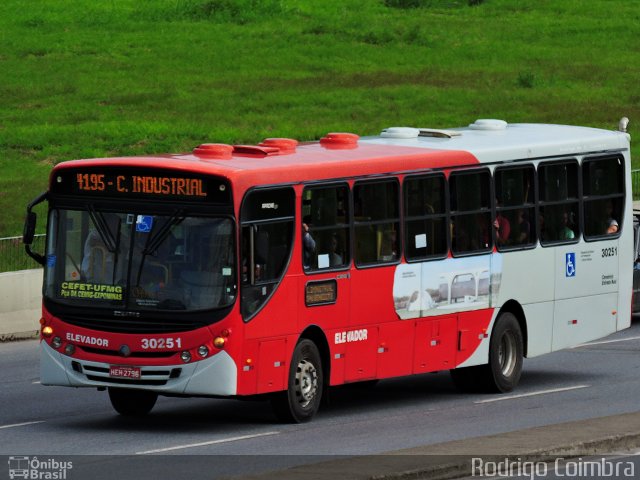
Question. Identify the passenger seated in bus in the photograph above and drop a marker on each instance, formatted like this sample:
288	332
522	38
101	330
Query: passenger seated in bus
503	229
388	246
566	232
611	223
335	259
308	243
522	229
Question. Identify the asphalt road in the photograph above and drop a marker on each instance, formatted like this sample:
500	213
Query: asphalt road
237	437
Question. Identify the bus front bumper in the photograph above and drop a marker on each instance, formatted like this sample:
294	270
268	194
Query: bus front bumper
216	375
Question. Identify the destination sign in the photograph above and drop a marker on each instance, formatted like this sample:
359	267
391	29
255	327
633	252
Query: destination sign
145	184
156	184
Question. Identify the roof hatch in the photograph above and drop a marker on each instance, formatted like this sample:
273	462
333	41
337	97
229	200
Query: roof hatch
488	124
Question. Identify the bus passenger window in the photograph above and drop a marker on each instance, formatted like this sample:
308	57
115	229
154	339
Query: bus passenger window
470	212
558	218
603	191
514	224
325	227
425	225
377	222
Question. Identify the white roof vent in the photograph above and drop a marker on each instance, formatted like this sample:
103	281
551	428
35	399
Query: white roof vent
488	124
400	132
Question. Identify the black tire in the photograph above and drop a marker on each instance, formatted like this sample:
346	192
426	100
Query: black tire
300	402
132	403
503	371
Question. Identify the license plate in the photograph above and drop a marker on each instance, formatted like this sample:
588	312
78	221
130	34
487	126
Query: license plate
124	372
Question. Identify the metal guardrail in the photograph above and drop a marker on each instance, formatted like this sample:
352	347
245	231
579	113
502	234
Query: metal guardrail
13	256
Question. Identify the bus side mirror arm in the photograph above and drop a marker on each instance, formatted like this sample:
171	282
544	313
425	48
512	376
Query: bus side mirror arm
30	227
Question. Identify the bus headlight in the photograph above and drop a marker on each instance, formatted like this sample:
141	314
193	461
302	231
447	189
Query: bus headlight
219	342
47	331
56	342
69	349
185	356
203	351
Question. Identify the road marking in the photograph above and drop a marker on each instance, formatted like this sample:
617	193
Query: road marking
36	382
531	394
606	341
203	444
20	424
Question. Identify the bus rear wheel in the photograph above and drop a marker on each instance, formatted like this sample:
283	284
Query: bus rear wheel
132	403
300	402
503	371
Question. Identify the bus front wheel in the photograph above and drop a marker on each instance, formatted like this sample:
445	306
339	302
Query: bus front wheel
503	371
132	403
301	400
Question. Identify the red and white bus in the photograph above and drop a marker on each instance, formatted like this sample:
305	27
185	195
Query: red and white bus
283	268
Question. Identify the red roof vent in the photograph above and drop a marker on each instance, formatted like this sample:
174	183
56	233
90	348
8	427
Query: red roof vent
285	145
340	140
218	151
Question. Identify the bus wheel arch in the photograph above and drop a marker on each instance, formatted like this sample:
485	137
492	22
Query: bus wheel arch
306	379
515	308
506	354
317	336
504	364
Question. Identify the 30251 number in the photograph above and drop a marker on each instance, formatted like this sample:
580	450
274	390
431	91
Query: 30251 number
609	252
160	343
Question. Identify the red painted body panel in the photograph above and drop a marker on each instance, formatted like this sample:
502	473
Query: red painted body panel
435	344
395	349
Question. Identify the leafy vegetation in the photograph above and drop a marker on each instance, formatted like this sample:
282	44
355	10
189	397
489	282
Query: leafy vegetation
81	79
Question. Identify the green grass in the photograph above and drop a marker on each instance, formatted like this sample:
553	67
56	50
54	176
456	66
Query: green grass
82	79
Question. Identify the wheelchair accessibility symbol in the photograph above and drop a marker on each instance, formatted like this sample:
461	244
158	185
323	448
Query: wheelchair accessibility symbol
570	262
144	223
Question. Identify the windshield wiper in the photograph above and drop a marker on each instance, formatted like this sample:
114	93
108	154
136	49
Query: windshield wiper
103	229
155	240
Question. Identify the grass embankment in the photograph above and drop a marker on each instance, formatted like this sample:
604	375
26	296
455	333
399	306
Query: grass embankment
85	79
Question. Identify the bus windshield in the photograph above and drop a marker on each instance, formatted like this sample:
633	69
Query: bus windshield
138	261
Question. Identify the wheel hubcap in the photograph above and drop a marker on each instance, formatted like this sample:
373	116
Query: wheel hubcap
306	383
507	355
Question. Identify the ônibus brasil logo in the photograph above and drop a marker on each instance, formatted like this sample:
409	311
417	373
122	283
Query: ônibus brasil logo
38	469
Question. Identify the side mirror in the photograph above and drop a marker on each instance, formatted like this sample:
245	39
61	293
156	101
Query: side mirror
30	228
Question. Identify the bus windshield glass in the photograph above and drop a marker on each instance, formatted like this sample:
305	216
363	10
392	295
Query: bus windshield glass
140	261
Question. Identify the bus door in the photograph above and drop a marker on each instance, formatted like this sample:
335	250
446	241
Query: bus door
268	296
